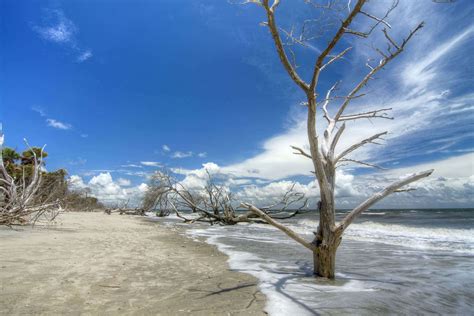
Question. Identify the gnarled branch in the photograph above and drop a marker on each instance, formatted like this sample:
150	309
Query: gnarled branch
394	187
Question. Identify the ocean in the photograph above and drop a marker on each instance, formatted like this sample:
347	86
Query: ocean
405	262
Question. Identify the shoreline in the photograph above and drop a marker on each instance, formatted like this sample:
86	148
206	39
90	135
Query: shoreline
109	264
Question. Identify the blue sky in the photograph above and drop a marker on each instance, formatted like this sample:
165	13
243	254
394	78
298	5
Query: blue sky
118	89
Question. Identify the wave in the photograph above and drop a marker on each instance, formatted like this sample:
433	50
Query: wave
435	238
292	291
288	293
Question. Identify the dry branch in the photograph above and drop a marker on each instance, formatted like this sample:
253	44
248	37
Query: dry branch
322	149
17	196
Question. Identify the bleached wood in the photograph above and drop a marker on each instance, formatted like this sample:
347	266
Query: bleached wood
358	145
322	148
292	234
279	45
17	204
394	187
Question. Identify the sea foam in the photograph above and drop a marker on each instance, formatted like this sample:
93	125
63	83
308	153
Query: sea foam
432	238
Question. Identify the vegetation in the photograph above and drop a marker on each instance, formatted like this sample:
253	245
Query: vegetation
28	192
21	200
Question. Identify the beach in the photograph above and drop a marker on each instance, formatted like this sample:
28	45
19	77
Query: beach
93	263
390	262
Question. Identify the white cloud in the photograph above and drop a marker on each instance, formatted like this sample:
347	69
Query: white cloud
39	110
433	114
53	122
448	186
196	179
123	182
76	183
84	135
180	155
420	73
78	162
108	191
150	163
142	188
452	167
201	172
202	155
131	166
61	30
165	148
85	55
57	124
418	89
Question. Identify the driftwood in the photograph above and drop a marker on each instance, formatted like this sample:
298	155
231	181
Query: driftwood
213	203
323	148
124	209
131	211
18	205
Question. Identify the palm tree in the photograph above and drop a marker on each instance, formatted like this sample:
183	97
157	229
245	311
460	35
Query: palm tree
28	156
10	156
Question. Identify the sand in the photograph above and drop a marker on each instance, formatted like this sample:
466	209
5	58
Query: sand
98	264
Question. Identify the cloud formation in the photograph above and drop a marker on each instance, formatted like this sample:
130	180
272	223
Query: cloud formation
150	163
85	55
59	29
108	191
448	186
57	124
180	155
50	121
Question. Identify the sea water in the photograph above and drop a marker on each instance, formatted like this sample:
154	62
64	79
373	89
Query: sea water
407	262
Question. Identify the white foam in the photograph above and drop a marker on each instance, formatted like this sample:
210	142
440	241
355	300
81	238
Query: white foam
433	238
286	294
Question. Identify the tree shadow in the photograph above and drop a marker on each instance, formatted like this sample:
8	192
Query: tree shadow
229	289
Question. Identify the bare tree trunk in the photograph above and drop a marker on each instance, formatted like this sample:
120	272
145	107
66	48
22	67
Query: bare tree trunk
323	149
324	261
326	240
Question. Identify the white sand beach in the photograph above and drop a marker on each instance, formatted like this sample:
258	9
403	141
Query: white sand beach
93	263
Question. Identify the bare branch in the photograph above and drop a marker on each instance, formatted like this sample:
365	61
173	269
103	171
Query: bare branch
381	20
362	163
338	56
379	196
370	114
390	39
359	144
281	227
384	61
336	138
378	22
17	196
279	45
405	190
334	41
300	151
326	102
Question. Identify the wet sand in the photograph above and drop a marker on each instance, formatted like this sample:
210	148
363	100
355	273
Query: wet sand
93	263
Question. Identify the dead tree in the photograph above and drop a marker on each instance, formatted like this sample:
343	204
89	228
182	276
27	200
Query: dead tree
123	208
18	202
214	203
323	151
